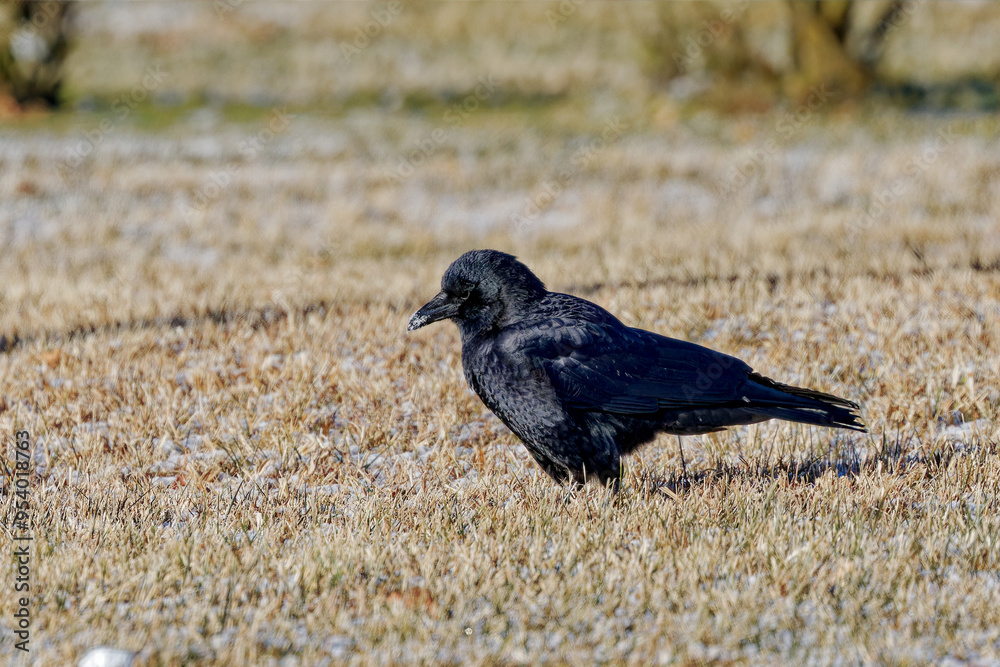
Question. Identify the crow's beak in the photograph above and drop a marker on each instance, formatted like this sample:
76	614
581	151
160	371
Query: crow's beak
438	308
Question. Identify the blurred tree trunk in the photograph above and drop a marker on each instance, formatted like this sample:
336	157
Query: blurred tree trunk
35	38
821	56
789	47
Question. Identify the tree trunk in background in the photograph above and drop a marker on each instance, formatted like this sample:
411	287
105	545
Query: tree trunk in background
789	48
35	38
821	57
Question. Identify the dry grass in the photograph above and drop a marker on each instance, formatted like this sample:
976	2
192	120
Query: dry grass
240	457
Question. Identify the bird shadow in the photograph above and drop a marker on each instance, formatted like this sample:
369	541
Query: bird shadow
898	457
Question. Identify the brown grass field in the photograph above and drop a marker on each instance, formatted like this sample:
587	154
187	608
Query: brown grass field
240	457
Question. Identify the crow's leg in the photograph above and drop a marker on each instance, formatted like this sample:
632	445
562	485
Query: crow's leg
557	472
607	475
684	471
610	479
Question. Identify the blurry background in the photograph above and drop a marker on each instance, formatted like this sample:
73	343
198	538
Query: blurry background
216	218
741	55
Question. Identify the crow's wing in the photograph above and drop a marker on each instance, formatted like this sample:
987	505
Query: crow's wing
608	367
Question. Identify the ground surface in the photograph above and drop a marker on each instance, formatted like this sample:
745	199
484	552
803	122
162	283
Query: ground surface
240	457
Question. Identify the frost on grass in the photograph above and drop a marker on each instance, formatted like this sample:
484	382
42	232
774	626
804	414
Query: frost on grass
240	457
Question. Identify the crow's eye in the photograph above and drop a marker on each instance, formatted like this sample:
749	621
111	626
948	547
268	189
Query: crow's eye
463	292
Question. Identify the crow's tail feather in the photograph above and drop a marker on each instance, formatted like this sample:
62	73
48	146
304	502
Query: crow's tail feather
807	406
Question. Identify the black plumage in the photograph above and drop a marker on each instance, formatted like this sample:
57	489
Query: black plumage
580	389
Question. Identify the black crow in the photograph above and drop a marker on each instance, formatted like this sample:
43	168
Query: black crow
579	388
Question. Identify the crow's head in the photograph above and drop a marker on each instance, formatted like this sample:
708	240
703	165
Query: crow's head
480	290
